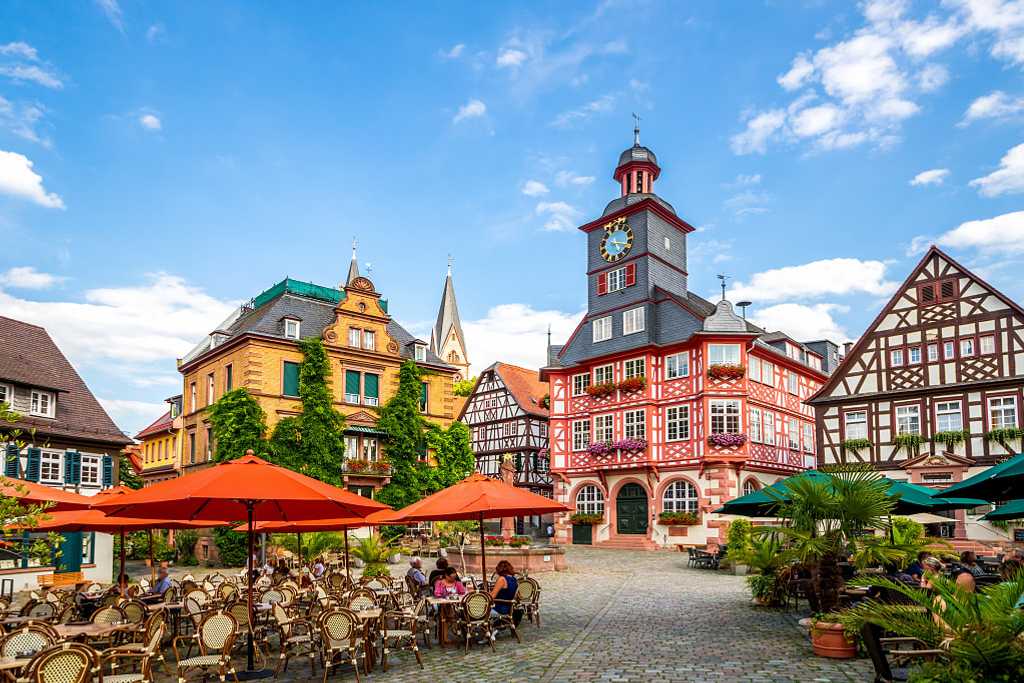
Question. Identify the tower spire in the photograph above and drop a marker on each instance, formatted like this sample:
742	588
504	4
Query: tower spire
446	338
636	129
353	266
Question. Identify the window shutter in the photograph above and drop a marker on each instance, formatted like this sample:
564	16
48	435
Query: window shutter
291	379
32	464
928	294
72	467
12	464
352	382
108	471
630	274
423	396
370	385
948	289
602	283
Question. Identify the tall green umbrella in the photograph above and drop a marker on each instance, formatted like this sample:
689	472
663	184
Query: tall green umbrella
1012	510
1004	481
915	498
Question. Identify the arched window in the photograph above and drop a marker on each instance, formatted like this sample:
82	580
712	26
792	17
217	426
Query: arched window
590	500
680	496
750	485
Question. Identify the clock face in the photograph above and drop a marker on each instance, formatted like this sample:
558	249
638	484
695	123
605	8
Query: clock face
617	240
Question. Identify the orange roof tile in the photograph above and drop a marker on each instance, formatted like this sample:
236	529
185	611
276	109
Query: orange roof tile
162	424
526	387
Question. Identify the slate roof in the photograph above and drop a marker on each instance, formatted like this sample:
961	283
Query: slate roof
525	387
620	203
447	318
25	349
162	424
637	153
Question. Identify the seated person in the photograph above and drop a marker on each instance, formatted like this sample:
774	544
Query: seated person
437	574
449	585
282	571
416	572
930	567
162	584
916	568
319	568
504	589
969	561
1009	569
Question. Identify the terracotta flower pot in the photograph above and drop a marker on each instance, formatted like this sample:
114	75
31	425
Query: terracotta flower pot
829	640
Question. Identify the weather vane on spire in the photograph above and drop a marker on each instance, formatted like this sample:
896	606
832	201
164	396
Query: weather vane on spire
636	129
723	278
450	262
353	248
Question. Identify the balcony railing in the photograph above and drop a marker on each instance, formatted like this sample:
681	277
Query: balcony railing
370	468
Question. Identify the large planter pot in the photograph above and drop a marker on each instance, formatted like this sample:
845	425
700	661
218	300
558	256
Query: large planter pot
395	558
829	640
740	569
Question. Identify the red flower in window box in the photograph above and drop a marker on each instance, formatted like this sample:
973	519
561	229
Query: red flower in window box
357	465
381	466
599	390
727	440
726	371
632	384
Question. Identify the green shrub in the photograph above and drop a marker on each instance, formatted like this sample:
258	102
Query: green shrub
737	539
185	545
584	518
376	570
231	546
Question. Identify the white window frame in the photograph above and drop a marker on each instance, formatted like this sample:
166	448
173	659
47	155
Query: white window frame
723	354
292	328
913	355
580	435
633	320
420	352
793	433
630	368
590	500
677	423
1000	406
769	428
933	353
604	428
369	448
750	486
680	496
8	394
808	437
768	373
48	461
211	388
967	347
580	383
945	411
355	337
753	368
755	425
987	344
43	403
725	412
616	280
792	382
91	470
908	419
602	329
677	365
369	340
601	369
948	350
861	425
896	357
634	424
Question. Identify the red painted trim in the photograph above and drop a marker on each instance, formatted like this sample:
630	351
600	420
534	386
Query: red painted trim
636	257
648	204
633	165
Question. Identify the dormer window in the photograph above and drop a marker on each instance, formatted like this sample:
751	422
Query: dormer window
43	404
291	328
421	352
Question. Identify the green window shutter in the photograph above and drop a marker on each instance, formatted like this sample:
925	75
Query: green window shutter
291	379
108	471
229	380
32	464
72	467
371	386
352	382
11	464
423	397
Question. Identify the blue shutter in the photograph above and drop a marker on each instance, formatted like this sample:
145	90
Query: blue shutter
72	467
12	464
32	464
108	471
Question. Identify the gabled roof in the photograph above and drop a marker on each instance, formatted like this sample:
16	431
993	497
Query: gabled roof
447	318
161	424
525	386
25	349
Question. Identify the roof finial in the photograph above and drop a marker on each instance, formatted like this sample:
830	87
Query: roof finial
450	261
549	335
636	129
354	248
723	278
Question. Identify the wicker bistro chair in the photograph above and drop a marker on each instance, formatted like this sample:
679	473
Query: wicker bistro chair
296	637
216	638
64	663
142	654
239	609
337	582
362	598
475	617
529	599
39	609
227	591
340	639
28	640
508	621
196	613
398	632
108	616
156	622
135	611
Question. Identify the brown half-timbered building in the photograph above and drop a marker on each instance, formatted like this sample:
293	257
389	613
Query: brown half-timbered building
932	391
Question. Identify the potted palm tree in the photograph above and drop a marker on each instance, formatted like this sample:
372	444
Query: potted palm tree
823	519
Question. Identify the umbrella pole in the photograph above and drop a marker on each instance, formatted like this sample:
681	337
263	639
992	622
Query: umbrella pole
348	571
121	579
251	548
152	558
298	541
483	554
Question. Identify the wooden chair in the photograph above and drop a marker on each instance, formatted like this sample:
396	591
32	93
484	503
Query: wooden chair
340	639
141	654
529	599
398	632
216	637
64	663
227	592
28	639
475	617
295	638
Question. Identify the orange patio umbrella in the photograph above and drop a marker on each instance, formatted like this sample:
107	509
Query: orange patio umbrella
31	493
477	497
244	488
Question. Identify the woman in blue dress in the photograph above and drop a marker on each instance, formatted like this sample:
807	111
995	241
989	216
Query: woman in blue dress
504	590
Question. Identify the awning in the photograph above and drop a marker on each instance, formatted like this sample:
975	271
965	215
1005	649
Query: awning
360	429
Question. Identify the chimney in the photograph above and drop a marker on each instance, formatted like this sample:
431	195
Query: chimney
847	347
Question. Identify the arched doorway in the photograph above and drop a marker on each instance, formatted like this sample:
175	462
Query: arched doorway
631	510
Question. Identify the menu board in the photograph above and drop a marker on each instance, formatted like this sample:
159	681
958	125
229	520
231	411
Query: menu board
1018	535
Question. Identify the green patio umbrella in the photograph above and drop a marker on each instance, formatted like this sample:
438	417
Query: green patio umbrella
759	503
1012	510
915	498
1004	481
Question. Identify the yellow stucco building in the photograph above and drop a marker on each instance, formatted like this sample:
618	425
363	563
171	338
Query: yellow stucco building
257	348
159	446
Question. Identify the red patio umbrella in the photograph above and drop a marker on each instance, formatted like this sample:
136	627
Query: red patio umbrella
31	493
477	497
245	488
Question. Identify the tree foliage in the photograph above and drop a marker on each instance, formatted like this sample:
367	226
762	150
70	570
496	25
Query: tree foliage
238	423
453	455
464	387
231	546
13	515
126	473
400	418
313	442
313	544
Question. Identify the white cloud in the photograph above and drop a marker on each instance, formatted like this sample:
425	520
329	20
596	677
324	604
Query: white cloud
567	119
566	178
155	32
760	128
997	235
802	322
798	73
534	188
19	49
933	176
32	73
517	333
112	10
560	215
150	121
815	121
18	179
510	57
454	52
1007	179
27	277
748	202
995	105
932	77
827	277
470	110
130	415
744	180
22	120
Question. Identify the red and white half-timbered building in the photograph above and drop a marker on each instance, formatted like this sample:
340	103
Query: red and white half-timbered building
661	401
932	391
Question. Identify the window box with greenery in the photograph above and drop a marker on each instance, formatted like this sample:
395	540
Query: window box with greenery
601	390
632	384
584	518
1004	436
726	371
856	444
678	518
727	440
911	443
951	438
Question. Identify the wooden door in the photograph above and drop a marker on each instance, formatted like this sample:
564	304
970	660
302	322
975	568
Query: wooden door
631	510
583	534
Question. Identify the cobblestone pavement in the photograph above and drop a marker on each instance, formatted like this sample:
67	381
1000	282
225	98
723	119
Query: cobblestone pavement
633	616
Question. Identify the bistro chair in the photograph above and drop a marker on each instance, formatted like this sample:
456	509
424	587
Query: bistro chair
227	591
38	609
362	598
134	611
66	615
239	609
337	582
340	639
271	596
64	663
875	646
196	613
506	620
398	632
28	640
142	655
529	599
108	616
295	637
476	617
216	637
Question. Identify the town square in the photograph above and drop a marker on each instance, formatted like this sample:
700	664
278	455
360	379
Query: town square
652	341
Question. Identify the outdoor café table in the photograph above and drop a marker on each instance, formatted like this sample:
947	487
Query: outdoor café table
173	609
10	666
368	617
445	608
90	630
17	621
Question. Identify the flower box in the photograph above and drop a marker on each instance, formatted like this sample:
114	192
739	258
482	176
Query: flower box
600	390
677	518
381	466
726	371
727	440
582	518
632	384
357	465
629	445
599	449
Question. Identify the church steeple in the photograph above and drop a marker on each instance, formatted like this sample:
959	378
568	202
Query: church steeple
638	167
446	339
353	267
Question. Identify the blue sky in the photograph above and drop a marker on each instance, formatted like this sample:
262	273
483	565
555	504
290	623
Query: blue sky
160	162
